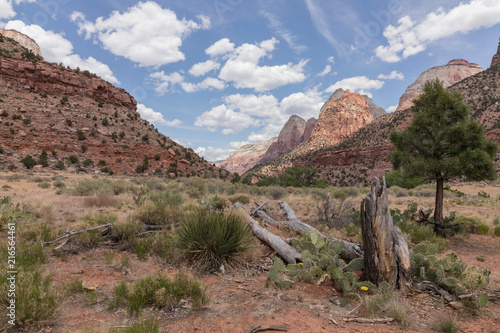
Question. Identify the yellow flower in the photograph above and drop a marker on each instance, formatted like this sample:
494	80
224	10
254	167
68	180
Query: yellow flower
364	288
301	264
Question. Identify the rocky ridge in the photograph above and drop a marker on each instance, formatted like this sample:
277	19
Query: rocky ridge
246	157
451	73
23	40
48	107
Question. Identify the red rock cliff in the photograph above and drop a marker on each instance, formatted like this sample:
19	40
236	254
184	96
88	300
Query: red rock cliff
496	58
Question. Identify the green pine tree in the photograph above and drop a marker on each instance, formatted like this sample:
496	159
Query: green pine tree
442	143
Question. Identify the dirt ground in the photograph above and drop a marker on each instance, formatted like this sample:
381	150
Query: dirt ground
242	297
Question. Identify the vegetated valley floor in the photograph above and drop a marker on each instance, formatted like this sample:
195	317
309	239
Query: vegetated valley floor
243	296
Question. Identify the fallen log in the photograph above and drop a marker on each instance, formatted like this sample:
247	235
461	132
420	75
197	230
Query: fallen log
73	233
282	249
433	287
353	250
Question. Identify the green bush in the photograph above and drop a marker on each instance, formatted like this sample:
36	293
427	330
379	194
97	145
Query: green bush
497	230
88	187
483	229
60	165
44	185
29	162
212	239
161	292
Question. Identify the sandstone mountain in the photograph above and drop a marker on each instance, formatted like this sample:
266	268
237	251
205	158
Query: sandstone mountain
82	121
246	157
290	137
453	72
340	117
360	156
375	110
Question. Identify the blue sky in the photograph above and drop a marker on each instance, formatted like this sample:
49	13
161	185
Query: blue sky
216	74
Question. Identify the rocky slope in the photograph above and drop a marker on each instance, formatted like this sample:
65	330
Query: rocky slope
453	72
290	137
47	107
246	157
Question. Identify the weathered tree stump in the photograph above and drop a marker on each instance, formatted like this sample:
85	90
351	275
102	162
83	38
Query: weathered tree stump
386	254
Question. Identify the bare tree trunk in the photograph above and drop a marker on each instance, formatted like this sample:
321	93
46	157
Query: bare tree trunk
353	250
438	209
282	249
387	257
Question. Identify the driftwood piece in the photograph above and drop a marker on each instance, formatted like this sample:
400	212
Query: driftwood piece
282	249
73	233
387	257
369	321
353	250
259	328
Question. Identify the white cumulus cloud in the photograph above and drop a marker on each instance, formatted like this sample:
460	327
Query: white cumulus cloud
209	83
7	8
410	37
203	68
146	34
155	117
394	75
56	48
243	69
222	116
360	84
220	47
392	108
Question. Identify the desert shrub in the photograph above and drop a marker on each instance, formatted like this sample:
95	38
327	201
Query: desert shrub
147	325
59	184
73	159
446	324
99	200
399	191
211	239
44	185
376	302
469	224
125	232
161	292
74	286
60	165
196	188
88	187
424	191
496	232
483	229
241	198
28	161
87	162
155	214
332	208
351	191
400	310
275	192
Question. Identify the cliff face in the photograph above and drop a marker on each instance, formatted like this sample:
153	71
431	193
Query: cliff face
246	157
289	138
23	40
65	112
375	110
310	124
455	71
341	117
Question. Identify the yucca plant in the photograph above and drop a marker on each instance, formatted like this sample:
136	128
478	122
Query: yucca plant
211	238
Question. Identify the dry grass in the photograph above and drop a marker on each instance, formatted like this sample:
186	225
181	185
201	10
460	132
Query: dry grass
100	200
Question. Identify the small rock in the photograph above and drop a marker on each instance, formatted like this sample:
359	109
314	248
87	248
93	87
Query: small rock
457	305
